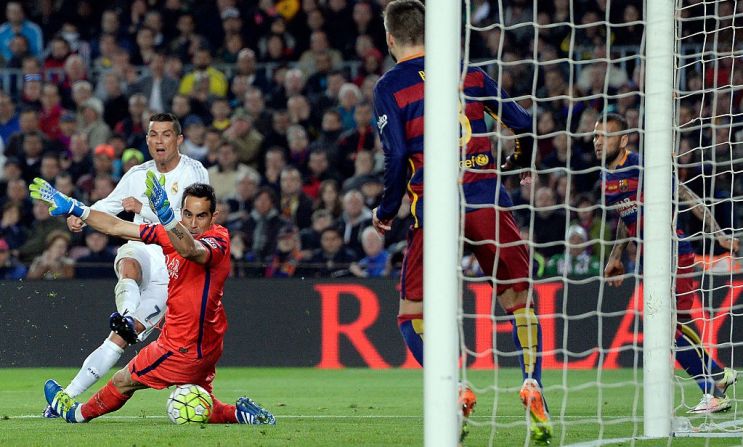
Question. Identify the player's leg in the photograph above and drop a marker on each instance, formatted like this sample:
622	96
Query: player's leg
108	399
410	314
508	260
712	379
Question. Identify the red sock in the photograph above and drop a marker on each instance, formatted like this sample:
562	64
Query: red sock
222	413
106	400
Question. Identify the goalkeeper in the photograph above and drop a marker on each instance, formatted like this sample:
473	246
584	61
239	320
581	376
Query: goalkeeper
197	254
398	104
620	183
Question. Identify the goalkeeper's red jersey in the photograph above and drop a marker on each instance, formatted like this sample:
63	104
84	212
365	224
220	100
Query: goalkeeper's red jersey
398	105
195	321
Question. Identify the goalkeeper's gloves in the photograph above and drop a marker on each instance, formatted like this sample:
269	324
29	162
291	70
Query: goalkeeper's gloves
59	204
159	202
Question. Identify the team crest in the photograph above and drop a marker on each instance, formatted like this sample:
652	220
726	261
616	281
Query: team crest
623	185
174	188
481	160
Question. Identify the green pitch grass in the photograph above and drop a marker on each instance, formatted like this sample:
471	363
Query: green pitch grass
351	407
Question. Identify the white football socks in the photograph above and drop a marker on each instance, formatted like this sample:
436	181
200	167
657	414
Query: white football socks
98	363
127	295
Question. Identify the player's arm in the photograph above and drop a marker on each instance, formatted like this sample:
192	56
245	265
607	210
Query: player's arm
510	114
392	135
61	205
700	210
182	240
614	266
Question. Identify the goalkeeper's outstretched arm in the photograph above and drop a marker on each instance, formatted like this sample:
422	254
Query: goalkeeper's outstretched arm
700	210
112	225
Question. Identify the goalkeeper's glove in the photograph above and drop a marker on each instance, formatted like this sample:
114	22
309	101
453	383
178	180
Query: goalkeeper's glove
159	202
59	204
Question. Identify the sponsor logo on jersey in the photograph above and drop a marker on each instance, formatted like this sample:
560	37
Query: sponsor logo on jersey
478	160
381	122
626	207
174	265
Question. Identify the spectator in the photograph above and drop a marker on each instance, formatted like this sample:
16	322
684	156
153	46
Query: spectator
202	69
277	135
53	262
275	162
329	198
348	97
596	229
548	223
376	262
17	194
115	103
299	147
300	112
134	125
51	112
10	267
220	111
288	255
295	206
255	106
31	92
331	129
97	262
130	158
80	161
577	261
363	167
33	148
318	45
355	217
9	122
17	24
360	138
157	87
212	140
49	167
318	171
193	142
246	139
333	258
223	175
240	202
28	122
92	124
262	227
42	226
310	236
12	229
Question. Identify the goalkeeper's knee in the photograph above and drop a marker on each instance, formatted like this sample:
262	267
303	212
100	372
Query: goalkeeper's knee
411	328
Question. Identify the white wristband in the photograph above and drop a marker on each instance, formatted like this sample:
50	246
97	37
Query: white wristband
169	227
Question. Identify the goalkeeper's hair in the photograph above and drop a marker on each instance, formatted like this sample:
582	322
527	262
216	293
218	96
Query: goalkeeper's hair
165	118
616	118
405	20
202	191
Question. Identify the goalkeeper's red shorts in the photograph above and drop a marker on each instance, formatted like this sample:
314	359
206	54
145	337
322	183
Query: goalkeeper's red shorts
509	258
687	285
158	367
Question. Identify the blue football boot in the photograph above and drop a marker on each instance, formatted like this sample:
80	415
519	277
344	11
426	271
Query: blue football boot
49	413
249	412
60	401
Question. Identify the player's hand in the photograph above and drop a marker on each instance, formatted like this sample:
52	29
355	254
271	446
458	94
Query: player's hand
382	226
526	178
729	243
132	204
158	199
59	204
75	224
613	272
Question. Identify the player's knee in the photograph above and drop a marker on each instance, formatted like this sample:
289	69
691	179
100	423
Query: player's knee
122	380
511	299
129	268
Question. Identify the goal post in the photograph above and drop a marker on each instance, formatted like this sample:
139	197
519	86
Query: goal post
658	320
441	236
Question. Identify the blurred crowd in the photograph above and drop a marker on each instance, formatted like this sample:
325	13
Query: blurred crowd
274	97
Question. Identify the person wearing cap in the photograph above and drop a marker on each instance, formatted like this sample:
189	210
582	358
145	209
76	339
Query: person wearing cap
130	158
10	267
31	92
141	290
288	255
575	261
92	122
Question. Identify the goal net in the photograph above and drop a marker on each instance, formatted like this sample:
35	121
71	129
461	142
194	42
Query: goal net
568	63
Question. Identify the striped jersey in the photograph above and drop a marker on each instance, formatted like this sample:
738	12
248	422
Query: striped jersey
621	187
195	321
398	105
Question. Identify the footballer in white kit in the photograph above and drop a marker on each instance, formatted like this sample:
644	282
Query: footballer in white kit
142	288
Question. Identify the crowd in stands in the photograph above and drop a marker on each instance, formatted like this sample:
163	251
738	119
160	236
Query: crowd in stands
275	99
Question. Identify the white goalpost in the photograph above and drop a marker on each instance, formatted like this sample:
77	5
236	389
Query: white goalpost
610	369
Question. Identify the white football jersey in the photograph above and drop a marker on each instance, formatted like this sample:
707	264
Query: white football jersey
132	184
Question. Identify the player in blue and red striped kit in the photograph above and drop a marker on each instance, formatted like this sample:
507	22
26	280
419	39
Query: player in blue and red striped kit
398	104
620	183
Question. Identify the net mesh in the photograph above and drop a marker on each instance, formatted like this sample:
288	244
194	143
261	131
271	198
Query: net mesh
567	62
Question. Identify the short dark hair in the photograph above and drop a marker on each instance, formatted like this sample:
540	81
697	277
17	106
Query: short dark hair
405	20
202	191
612	117
167	117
